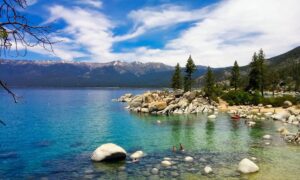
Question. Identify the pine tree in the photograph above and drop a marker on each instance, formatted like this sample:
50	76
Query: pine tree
254	74
235	76
177	79
190	68
209	87
262	73
273	79
296	74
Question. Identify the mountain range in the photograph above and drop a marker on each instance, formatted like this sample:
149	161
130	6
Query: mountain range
23	73
26	73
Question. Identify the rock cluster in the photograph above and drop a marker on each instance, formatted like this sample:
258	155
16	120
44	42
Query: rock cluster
162	102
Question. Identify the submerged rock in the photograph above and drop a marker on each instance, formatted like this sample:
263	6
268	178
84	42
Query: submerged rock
154	171
208	169
212	116
166	163
137	155
267	136
188	159
109	152
247	166
283	131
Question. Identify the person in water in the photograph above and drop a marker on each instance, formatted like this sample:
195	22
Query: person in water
174	149
181	147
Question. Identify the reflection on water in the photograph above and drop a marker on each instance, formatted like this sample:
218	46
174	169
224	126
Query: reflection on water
53	131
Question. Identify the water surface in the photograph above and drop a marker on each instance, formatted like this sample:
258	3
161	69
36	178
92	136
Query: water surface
51	133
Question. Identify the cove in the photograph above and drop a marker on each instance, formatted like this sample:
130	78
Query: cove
52	132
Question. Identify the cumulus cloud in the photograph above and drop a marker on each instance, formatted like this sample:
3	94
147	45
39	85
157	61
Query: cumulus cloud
233	31
160	17
221	33
89	30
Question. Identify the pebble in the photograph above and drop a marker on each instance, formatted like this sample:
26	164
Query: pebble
167	159
208	169
267	136
154	171
174	174
188	159
166	163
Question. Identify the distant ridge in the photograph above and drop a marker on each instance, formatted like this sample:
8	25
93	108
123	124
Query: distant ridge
25	73
281	63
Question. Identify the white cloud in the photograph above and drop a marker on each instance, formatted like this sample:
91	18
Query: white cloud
233	31
31	2
92	3
160	17
221	33
89	30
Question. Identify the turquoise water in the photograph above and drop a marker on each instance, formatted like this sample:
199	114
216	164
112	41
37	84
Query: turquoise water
51	133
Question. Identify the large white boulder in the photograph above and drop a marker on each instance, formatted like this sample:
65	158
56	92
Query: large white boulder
109	152
137	155
281	115
247	166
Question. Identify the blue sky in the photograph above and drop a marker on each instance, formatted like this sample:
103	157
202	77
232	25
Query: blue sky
214	32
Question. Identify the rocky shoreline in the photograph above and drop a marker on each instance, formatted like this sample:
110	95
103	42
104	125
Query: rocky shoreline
163	102
179	102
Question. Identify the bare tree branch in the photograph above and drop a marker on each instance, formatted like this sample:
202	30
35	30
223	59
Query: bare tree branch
15	29
9	91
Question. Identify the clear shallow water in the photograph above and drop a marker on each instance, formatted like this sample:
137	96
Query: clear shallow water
52	132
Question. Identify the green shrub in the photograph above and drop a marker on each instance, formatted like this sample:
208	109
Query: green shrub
278	101
238	98
247	98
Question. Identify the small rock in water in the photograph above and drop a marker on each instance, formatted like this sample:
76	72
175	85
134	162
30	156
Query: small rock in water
158	121
167	159
208	169
251	123
154	171
202	160
137	155
267	143
253	158
174	174
166	163
247	166
267	136
188	159
212	116
283	131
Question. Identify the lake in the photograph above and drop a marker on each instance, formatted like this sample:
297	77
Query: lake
51	134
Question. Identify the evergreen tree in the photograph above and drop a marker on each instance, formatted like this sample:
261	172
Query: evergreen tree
176	79
296	74
190	68
235	76
209	86
254	74
273	80
262	73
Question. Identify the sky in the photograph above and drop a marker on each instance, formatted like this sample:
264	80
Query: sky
214	32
